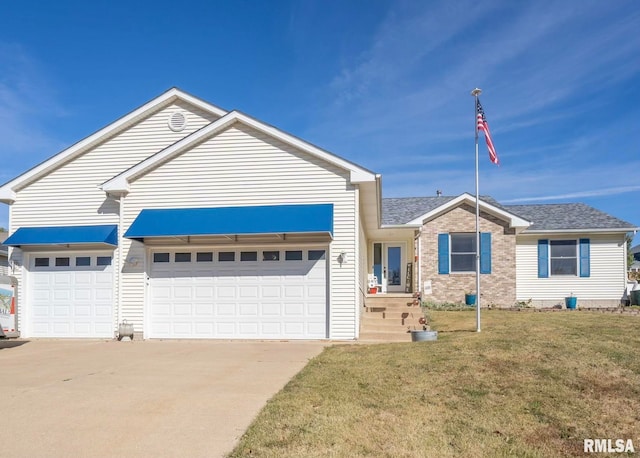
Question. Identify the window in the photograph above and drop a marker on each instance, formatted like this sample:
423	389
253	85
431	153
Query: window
225	256
563	257
463	252
248	256
103	260
183	257
205	256
315	255
293	255
270	255
42	262
160	257
62	262
82	261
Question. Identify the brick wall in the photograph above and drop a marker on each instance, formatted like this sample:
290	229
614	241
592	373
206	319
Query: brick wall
497	288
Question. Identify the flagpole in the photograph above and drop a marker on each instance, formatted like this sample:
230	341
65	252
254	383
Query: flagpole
475	93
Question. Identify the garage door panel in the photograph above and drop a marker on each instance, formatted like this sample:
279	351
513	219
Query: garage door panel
61	311
294	309
248	328
239	299
228	309
248	291
182	292
271	309
203	310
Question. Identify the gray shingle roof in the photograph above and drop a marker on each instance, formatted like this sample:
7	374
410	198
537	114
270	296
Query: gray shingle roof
545	217
576	216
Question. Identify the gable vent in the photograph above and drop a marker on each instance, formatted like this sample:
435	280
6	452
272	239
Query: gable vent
177	121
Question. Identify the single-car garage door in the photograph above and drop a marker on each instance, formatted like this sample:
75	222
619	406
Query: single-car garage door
248	293
70	295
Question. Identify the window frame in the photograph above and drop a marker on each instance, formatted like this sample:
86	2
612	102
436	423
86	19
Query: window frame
473	254
576	257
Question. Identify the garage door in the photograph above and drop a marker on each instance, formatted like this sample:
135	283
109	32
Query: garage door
71	295
239	294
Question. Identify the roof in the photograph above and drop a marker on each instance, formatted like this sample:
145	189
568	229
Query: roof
569	216
545	217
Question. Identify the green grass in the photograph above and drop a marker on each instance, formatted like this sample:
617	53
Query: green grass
528	385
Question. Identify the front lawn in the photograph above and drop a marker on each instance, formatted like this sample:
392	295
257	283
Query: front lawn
530	385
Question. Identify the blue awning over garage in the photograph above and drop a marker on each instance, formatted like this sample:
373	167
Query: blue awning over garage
65	235
231	221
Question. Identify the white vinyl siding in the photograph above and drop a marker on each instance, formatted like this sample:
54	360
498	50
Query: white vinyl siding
243	167
70	194
606	281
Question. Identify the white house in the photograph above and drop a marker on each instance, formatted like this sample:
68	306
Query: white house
189	221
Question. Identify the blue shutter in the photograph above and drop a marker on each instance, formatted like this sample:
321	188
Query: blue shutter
443	253
585	269
543	258
485	253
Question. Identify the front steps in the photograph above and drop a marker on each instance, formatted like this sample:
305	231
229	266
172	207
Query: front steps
389	317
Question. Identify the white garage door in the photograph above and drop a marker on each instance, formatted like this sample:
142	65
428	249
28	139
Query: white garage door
71	295
238	294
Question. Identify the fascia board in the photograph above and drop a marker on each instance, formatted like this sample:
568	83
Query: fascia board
514	221
581	231
67	154
357	174
120	182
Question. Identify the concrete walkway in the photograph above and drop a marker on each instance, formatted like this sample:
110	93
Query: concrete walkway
71	398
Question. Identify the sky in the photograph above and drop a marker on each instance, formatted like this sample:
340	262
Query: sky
383	83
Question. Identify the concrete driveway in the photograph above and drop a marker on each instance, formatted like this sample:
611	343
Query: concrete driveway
72	398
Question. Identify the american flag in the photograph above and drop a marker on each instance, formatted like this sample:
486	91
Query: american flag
483	125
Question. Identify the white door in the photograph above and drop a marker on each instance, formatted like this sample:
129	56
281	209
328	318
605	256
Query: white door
389	266
70	295
247	293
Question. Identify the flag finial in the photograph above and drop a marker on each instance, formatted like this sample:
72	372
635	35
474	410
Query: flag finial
476	92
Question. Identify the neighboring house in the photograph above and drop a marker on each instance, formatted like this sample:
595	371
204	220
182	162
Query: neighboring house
4	255
189	221
537	252
635	265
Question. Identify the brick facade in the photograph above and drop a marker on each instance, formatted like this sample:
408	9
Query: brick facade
497	288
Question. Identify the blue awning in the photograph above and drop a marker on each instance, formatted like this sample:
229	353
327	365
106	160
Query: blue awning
65	235
231	221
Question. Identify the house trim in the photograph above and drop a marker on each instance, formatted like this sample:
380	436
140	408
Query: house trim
121	182
514	220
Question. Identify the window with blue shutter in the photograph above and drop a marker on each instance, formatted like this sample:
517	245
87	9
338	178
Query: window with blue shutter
585	262
485	252
443	253
543	258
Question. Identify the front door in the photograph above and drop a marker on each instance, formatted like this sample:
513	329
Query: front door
388	259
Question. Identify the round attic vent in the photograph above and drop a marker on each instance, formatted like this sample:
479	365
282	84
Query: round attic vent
177	121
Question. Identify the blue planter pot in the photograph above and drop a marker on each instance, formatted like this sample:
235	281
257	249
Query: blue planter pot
571	302
470	299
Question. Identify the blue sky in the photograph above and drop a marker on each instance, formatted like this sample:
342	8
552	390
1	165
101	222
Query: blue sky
385	84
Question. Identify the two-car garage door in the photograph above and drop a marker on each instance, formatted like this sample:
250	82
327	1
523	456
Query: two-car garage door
247	293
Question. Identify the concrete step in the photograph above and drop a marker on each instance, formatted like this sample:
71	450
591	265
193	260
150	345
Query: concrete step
380	336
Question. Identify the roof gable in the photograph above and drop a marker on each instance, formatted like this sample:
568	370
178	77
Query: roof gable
8	190
121	182
417	210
